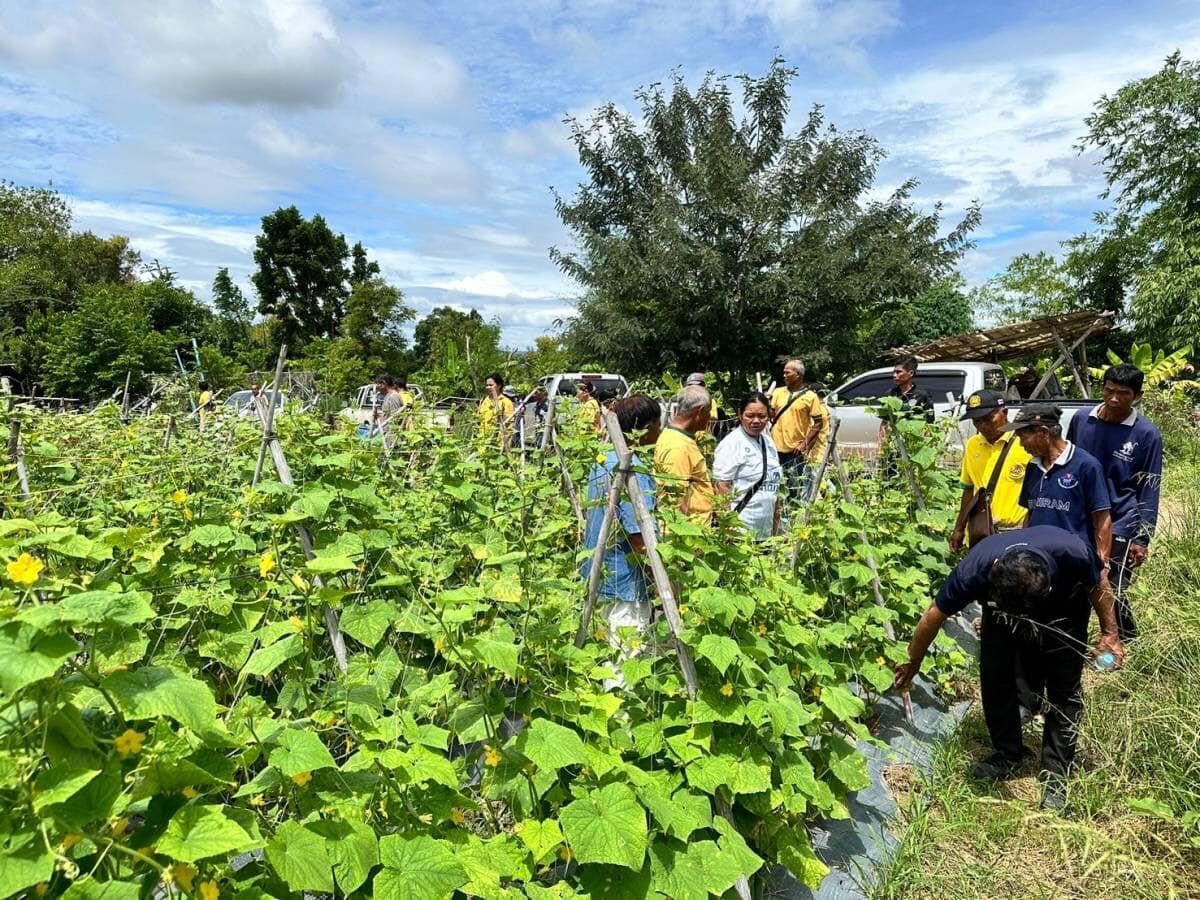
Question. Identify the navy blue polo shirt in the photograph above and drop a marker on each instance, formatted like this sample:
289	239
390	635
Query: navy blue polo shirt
1131	454
1066	494
1074	569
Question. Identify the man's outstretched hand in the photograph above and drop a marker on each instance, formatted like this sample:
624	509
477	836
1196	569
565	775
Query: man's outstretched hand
1111	643
905	673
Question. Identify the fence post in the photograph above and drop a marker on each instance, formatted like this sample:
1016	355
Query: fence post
271	441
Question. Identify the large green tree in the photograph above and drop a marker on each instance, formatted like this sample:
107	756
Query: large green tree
709	239
302	276
1148	136
119	328
456	350
45	270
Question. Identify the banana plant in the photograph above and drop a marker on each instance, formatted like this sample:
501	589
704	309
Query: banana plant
1158	366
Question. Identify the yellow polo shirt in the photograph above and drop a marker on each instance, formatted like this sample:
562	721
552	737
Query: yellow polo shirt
487	412
793	426
678	458
979	459
589	413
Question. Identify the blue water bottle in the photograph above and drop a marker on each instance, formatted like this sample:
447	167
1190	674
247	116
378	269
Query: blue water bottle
1106	661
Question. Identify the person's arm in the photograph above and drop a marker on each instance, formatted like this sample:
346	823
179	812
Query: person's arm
1026	499
1149	488
817	417
927	629
724	469
1102	526
960	524
1103	602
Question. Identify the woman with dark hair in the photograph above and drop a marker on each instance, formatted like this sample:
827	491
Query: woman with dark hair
746	467
589	408
623	583
495	409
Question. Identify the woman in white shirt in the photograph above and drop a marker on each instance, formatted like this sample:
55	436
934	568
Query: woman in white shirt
746	468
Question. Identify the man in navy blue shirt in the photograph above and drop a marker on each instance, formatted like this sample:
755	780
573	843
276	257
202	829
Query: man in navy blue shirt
1064	485
1036	585
1130	449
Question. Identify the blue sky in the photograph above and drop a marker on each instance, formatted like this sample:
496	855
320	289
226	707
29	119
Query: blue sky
433	131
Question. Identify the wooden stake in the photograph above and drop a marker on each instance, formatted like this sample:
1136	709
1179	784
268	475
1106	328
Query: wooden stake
888	631
815	486
269	419
594	574
125	400
271	441
662	582
1080	381
17	453
908	469
569	487
166	445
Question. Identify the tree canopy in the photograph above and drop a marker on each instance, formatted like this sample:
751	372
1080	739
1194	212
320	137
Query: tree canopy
1146	134
302	275
706	239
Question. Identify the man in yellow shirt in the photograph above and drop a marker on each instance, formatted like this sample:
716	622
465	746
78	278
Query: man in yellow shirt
679	461
495	409
797	417
988	411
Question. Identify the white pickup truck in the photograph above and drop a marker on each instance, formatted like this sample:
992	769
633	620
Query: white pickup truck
948	383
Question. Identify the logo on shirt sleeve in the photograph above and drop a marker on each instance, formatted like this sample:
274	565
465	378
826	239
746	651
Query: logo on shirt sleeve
1068	480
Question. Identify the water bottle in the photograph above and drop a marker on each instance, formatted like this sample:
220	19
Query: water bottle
1106	661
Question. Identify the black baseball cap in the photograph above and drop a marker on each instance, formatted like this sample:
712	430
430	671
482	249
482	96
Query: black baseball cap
983	403
1034	414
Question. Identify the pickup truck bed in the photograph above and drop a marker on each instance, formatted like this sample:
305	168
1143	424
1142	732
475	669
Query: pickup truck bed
949	383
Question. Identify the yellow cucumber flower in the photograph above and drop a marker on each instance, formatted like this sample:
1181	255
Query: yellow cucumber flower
25	569
129	741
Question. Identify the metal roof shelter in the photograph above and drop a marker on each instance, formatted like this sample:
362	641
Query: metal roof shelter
1065	333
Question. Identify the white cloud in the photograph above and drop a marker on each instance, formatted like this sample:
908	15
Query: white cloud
837	27
488	284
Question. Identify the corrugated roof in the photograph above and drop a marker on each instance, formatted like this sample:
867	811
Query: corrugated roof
1011	340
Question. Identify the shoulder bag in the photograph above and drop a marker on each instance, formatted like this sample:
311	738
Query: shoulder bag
979	515
749	495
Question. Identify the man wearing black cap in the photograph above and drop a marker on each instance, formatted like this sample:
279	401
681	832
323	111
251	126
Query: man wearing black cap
1064	486
993	470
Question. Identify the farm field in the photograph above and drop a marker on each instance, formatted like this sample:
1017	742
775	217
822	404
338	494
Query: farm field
1133	826
174	718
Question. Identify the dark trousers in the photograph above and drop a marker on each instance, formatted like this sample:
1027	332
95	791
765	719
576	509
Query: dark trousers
1048	655
1120	576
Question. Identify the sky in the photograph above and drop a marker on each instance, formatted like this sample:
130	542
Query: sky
433	132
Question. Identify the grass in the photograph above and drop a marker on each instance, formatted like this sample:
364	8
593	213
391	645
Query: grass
1132	828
